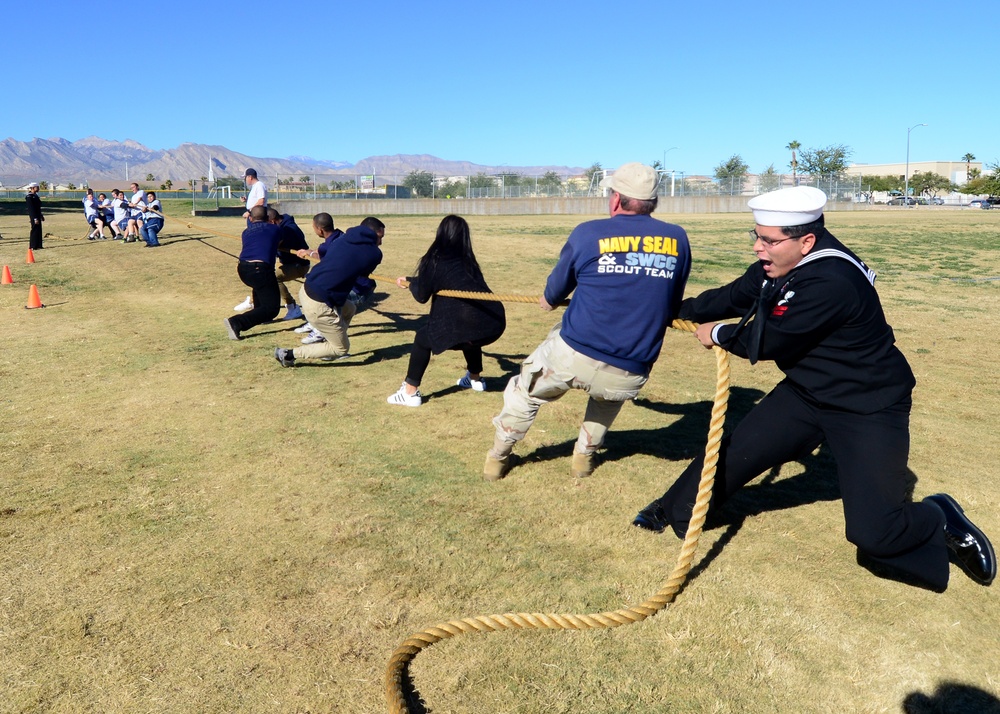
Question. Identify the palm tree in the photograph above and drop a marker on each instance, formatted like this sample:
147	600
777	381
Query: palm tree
968	159
793	146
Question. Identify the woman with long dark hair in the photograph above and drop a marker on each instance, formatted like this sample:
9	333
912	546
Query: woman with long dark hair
453	323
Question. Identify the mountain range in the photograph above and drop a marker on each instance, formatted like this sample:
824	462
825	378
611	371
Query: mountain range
95	159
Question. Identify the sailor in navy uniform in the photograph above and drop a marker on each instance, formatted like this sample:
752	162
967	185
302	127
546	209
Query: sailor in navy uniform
810	305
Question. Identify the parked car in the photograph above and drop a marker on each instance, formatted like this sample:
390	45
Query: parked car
980	203
936	201
902	201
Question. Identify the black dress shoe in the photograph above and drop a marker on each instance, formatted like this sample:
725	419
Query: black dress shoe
970	549
652	518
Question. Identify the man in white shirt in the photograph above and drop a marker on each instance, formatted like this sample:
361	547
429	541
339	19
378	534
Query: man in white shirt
257	196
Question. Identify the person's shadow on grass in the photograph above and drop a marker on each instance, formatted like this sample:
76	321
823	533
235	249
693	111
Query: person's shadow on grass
952	698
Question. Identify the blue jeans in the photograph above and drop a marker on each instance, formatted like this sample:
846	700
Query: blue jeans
150	230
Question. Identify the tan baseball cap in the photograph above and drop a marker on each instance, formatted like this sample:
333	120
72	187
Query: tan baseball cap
634	180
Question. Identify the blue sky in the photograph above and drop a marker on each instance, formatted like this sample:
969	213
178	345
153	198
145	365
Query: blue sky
513	83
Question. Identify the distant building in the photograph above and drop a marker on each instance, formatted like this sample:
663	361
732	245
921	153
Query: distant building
954	171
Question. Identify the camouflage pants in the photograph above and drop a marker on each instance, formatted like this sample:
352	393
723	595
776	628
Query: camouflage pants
548	373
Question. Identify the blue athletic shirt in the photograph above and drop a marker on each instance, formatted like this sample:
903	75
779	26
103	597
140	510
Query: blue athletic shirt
627	274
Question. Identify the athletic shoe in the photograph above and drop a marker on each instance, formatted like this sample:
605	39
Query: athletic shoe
403	399
234	334
294	313
302	329
313	337
245	305
476	385
286	358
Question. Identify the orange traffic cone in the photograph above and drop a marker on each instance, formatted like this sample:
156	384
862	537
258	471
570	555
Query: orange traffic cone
31	256
7	278
33	299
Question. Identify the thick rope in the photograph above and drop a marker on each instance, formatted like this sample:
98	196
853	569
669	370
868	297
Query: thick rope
494	297
404	654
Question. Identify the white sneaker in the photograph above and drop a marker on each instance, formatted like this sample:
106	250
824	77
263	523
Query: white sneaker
476	385
313	337
245	305
302	329
401	398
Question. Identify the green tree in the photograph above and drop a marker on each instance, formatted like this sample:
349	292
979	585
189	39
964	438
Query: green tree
595	168
794	146
305	179
551	181
150	177
168	184
451	189
769	179
968	159
482	180
43	185
421	183
984	183
826	161
732	168
928	182
509	179
881	183
71	186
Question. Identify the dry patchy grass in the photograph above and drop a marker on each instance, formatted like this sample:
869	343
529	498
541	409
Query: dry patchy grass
186	526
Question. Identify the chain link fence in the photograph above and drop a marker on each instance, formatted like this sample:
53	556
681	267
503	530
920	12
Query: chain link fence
231	191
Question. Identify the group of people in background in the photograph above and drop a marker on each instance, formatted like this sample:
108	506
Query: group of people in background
129	219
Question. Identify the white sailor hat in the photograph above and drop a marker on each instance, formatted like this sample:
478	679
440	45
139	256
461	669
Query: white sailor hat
788	207
33	184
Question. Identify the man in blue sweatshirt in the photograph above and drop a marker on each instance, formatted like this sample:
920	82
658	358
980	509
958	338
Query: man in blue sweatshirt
256	270
627	274
324	296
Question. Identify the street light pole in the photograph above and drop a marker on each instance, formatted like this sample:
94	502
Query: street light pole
663	168
906	173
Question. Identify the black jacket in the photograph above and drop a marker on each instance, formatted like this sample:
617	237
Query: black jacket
354	253
825	330
34	206
455	321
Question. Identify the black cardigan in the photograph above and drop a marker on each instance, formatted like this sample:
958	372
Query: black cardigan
456	321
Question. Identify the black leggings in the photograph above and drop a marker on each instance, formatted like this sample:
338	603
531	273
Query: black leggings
420	356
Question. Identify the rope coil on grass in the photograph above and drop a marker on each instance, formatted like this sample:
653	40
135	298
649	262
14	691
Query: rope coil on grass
404	654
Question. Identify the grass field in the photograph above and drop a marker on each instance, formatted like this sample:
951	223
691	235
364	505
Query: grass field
185	526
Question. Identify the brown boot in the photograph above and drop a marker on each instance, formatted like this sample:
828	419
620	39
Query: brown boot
496	469
582	466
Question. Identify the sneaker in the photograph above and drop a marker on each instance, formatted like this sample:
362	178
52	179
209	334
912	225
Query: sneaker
301	329
403	399
476	385
313	337
245	305
294	313
286	358
234	334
